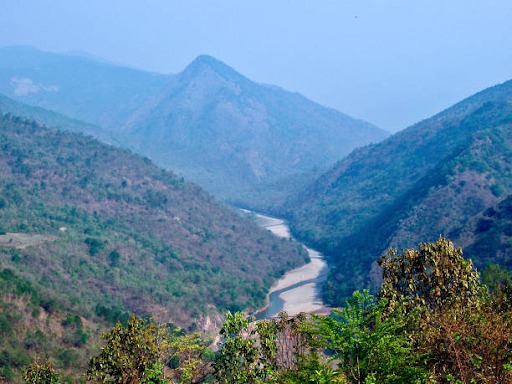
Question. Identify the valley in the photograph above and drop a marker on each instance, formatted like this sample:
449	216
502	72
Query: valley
263	148
124	203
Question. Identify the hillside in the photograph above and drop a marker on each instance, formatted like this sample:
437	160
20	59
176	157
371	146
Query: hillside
98	225
208	123
488	236
34	322
427	180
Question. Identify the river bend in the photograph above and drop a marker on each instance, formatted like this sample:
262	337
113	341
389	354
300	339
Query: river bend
298	290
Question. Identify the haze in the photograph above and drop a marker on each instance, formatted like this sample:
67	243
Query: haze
391	63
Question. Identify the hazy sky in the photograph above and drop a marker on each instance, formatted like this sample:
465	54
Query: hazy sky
389	62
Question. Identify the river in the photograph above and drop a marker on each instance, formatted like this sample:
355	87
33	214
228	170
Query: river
299	290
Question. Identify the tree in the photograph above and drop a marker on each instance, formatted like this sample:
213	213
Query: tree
367	346
40	372
275	350
132	354
238	358
464	333
433	277
186	355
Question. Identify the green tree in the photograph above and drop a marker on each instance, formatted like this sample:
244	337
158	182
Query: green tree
367	346
132	354
40	373
187	356
238	359
275	350
432	277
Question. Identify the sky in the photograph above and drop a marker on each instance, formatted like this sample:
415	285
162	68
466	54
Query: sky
390	62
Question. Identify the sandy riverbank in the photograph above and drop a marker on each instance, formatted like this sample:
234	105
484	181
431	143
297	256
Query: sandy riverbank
306	297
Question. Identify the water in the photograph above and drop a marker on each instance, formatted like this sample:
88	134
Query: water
299	290
277	304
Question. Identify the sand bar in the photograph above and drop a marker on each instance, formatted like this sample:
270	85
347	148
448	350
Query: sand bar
306	297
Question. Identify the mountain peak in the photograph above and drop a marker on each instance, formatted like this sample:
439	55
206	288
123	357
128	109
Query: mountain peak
203	62
207	60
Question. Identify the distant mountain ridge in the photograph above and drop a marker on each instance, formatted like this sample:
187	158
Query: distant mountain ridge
427	180
82	88
54	119
209	122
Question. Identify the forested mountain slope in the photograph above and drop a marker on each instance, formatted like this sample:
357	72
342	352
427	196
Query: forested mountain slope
95	224
208	123
427	180
488	236
34	322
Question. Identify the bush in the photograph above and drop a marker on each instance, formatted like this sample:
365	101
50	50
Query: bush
470	344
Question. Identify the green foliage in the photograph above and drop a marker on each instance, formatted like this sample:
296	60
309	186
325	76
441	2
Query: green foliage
131	354
312	370
114	257
238	360
275	350
101	226
40	372
433	277
368	345
95	245
112	315
142	352
188	355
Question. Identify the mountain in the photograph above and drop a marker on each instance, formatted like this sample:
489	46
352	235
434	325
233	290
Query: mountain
98	226
432	178
53	119
227	132
209	123
83	88
488	236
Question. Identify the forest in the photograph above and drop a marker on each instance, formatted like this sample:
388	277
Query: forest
435	319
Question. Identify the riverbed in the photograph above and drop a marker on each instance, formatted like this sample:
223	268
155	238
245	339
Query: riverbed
299	290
